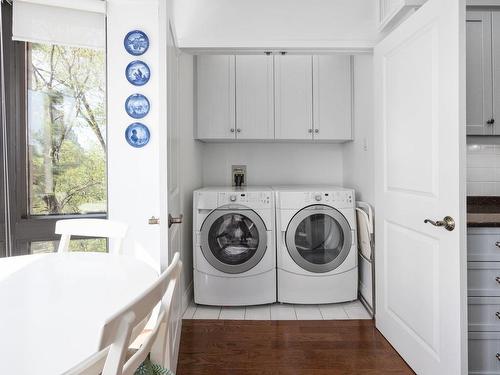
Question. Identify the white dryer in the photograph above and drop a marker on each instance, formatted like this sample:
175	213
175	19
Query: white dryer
317	258
234	258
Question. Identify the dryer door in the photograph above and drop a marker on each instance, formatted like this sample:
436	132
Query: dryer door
233	240
318	238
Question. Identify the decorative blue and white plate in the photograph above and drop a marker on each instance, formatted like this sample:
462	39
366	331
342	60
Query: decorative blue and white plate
136	42
137	135
138	73
137	106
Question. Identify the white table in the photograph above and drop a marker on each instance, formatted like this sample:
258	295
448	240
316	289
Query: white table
52	306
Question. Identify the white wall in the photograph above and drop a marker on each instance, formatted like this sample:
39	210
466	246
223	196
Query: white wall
483	169
358	155
274	163
191	171
276	23
134	174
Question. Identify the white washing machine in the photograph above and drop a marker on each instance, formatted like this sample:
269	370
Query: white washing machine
316	245
234	258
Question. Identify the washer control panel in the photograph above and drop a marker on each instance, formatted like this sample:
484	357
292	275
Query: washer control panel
256	199
342	197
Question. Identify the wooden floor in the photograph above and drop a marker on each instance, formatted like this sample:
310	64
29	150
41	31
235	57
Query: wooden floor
240	347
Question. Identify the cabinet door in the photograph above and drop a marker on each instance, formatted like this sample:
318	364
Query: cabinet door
254	97
332	97
215	97
495	42
479	73
293	97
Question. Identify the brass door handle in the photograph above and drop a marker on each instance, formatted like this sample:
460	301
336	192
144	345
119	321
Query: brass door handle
174	220
448	223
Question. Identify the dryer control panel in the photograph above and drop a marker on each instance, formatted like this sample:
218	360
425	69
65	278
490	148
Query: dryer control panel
251	198
339	197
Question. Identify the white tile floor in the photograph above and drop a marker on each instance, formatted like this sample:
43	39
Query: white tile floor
277	311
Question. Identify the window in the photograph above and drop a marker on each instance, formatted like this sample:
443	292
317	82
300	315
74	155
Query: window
56	142
66	130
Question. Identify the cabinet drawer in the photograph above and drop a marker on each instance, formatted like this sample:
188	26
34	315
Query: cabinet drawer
483	279
484	313
483	350
483	246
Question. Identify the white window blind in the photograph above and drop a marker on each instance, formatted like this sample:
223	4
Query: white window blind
77	23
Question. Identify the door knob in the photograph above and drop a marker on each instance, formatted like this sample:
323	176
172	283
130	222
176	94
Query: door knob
174	220
448	223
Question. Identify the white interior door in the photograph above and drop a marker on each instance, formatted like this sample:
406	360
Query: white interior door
175	216
420	154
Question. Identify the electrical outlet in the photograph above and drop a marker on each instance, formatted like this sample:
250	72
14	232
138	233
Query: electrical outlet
239	175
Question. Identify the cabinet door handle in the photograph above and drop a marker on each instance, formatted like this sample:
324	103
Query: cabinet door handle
498	356
232	130
490	121
497	244
316	130
498	314
310	131
238	130
497	279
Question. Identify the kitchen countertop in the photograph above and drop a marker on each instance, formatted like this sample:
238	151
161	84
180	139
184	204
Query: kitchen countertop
483	211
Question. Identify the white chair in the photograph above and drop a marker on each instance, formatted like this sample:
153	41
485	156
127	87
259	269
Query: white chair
91	228
117	331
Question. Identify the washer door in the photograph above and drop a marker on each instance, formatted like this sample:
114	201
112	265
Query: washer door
233	240
318	238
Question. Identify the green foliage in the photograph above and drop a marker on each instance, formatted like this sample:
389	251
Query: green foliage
67	130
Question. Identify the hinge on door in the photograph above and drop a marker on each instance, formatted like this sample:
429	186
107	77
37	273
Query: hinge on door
153	220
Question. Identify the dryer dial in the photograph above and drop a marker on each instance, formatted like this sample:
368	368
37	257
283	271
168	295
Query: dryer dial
318	197
232	198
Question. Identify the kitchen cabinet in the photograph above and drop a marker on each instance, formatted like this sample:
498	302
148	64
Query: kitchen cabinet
215	88
254	97
332	97
393	11
483	285
479	73
495	49
293	97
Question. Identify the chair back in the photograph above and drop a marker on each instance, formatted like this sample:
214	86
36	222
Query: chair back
91	228
116	332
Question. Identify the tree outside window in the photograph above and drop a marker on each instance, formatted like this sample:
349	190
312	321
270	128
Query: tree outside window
66	130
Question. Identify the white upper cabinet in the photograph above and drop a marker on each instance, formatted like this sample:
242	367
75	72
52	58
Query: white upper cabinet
254	97
391	12
479	72
332	97
285	97
293	97
495	42
215	97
